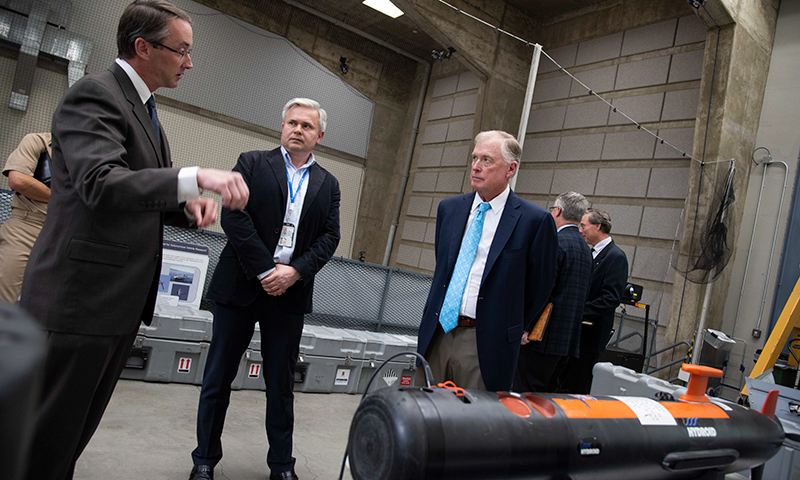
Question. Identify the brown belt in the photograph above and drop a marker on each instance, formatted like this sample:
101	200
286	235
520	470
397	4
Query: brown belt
465	321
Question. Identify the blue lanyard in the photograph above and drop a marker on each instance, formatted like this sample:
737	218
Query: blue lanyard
292	196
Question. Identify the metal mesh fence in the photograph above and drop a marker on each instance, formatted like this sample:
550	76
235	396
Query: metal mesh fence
351	294
347	293
405	299
351	290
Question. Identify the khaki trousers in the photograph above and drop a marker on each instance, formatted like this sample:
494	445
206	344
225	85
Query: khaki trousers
17	236
454	356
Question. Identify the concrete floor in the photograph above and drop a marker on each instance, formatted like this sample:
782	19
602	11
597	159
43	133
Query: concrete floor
148	432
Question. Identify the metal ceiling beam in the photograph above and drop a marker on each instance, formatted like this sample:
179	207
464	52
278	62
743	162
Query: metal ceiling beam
353	29
464	57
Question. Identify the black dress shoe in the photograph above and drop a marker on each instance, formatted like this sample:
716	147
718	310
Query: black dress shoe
290	475
202	472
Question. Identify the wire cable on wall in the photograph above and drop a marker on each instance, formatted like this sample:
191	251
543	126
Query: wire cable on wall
589	89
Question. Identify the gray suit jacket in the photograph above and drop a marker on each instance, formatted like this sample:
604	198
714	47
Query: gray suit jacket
95	266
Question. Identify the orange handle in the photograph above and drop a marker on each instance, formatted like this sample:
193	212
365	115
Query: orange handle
696	390
449	385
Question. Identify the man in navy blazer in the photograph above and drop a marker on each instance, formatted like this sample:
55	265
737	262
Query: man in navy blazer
501	285
265	274
609	277
541	362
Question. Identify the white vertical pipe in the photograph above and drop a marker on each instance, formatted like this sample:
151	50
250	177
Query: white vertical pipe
750	250
772	251
699	337
526	107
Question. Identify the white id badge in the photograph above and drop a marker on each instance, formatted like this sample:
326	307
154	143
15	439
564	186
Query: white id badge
287	235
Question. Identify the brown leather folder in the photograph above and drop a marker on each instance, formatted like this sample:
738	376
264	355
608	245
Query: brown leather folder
537	332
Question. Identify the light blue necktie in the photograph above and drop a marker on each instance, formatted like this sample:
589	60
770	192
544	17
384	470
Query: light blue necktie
448	316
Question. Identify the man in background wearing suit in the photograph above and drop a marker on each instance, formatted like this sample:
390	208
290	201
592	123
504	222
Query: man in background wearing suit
541	362
266	274
93	273
495	267
609	277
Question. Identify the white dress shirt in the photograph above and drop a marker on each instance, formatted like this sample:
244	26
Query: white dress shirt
297	179
491	219
187	176
600	246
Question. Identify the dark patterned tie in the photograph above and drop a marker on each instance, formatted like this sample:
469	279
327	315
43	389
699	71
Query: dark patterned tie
151	109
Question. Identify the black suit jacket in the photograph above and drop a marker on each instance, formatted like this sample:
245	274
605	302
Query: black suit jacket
95	265
253	233
562	336
517	280
609	277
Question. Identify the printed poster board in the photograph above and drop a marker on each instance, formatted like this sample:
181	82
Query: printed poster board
183	274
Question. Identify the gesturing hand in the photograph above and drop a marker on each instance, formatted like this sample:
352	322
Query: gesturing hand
204	211
230	185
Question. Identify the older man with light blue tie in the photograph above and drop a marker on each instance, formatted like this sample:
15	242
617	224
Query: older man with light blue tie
491	282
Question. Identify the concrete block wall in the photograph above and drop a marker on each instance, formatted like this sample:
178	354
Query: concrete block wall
576	142
441	162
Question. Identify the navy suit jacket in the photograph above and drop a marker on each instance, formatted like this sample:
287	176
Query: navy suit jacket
609	277
253	233
563	333
516	283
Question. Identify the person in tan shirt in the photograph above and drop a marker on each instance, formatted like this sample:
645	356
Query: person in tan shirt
28	172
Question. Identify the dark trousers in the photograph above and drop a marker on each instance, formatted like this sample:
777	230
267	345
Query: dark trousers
80	373
538	371
280	345
577	377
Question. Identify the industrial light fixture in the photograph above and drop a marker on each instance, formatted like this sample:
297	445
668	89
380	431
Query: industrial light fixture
384	6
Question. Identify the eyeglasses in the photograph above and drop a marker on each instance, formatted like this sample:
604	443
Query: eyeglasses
182	55
553	208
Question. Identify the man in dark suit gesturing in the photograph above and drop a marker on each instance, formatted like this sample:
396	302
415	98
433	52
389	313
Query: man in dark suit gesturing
495	267
609	276
265	274
541	362
93	272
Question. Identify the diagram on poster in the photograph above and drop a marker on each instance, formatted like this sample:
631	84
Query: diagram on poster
183	274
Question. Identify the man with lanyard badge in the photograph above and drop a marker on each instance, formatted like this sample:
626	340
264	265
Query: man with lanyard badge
266	274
